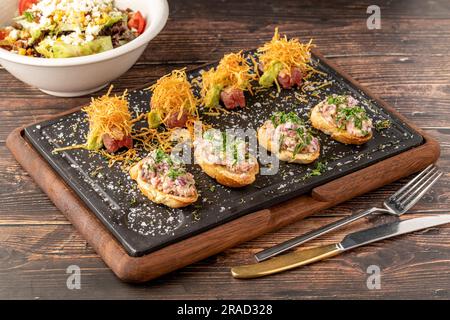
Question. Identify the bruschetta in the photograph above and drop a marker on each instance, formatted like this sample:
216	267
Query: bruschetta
343	119
286	136
226	158
227	82
283	61
164	180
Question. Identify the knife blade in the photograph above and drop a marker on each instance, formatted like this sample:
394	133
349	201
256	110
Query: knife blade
357	239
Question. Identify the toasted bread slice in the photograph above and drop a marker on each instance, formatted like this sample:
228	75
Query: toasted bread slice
265	140
320	123
226	177
157	196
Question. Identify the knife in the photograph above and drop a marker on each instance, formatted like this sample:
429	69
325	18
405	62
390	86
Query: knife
357	239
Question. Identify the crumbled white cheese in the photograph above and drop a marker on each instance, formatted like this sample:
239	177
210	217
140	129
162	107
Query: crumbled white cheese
13	34
92	31
88	15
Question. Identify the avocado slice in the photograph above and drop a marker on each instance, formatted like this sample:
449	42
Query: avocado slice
94	140
64	50
35	34
153	119
113	20
213	96
269	76
44	47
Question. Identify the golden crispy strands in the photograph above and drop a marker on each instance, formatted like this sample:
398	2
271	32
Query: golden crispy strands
106	115
109	115
288	52
172	95
232	71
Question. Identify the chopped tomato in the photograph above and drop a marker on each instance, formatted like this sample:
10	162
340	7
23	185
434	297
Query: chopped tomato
24	5
137	22
3	34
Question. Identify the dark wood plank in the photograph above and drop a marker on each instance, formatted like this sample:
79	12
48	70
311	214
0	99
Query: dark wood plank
404	262
410	91
406	63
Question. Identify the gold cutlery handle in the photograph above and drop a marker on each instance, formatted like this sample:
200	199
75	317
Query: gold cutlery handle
286	262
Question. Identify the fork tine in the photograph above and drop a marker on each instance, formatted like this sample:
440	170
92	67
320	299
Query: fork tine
406	186
413	198
416	184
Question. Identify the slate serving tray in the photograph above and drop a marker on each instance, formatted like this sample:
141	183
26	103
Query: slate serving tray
142	227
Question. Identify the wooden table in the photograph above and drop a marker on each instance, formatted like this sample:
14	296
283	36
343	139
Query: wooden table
406	62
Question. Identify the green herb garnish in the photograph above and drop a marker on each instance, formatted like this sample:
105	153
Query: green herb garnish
299	147
281	117
345	113
356	114
336	100
319	169
162	156
175	173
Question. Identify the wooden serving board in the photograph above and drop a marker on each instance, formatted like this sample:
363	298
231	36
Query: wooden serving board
200	246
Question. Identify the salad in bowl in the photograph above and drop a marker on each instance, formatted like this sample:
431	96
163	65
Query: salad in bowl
70	28
71	48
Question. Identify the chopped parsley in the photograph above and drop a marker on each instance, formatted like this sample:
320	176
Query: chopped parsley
304	136
305	140
345	113
174	173
281	117
319	169
337	100
299	147
300	131
356	114
161	156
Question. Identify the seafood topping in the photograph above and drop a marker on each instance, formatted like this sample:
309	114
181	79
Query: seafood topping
225	150
346	114
167	175
290	133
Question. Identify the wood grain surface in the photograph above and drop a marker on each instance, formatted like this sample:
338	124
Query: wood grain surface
406	63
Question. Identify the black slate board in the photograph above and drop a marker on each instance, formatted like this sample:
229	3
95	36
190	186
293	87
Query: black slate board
142	226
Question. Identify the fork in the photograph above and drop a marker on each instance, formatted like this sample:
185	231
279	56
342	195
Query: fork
397	204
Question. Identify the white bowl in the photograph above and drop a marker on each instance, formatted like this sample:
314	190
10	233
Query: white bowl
72	77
